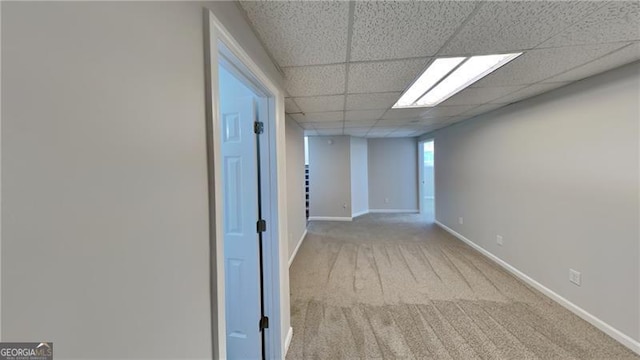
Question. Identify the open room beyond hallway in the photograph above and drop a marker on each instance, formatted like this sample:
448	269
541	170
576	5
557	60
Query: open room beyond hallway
396	286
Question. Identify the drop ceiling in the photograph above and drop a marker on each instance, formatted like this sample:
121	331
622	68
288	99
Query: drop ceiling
346	63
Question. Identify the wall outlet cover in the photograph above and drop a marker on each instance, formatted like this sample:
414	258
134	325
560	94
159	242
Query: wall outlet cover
460	220
575	277
499	240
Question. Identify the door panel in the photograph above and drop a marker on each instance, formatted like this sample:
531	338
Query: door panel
242	296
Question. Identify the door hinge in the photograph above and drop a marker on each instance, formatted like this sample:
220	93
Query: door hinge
258	127
261	226
264	323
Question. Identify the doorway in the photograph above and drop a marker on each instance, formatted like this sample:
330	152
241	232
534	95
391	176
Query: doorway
245	134
427	171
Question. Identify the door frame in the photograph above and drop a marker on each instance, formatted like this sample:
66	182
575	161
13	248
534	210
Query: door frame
276	276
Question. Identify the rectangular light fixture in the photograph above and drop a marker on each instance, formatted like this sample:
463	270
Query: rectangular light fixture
436	71
446	77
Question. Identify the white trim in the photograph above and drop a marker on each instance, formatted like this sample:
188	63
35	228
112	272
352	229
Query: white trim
624	339
363	212
295	251
394	211
429	197
330	218
287	341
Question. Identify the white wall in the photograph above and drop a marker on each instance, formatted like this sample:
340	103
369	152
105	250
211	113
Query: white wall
104	177
557	176
393	174
359	176
296	209
329	176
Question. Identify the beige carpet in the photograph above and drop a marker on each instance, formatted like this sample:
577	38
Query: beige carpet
398	287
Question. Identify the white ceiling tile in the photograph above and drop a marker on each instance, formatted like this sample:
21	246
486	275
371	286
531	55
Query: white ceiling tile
372	101
401	29
533	90
321	103
330	132
306	126
359	124
445	111
621	57
458	119
416	127
504	26
401	134
431	121
396	122
453	119
327	125
615	21
310	133
477	96
357	127
384	76
315	80
537	65
299	117
290	106
420	133
356	131
301	33
412	113
363	115
378	134
381	127
480	110
324	116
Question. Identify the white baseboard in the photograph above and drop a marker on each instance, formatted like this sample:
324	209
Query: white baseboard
364	212
394	211
287	341
295	251
330	218
624	339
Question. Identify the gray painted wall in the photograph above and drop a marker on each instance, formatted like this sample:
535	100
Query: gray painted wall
330	178
393	174
295	184
104	177
429	184
557	176
105	214
359	176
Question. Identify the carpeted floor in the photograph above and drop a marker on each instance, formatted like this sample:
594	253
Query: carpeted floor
399	287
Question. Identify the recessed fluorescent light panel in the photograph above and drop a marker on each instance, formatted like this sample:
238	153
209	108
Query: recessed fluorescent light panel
446	77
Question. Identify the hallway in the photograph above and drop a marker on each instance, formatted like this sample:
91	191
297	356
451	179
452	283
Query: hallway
398	287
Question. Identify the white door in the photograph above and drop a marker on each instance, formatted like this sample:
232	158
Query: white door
242	271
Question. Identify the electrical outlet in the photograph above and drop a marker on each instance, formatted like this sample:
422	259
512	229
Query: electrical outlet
344	205
386	200
499	240
460	220
575	277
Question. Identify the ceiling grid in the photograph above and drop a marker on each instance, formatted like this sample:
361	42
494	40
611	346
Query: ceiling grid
346	63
